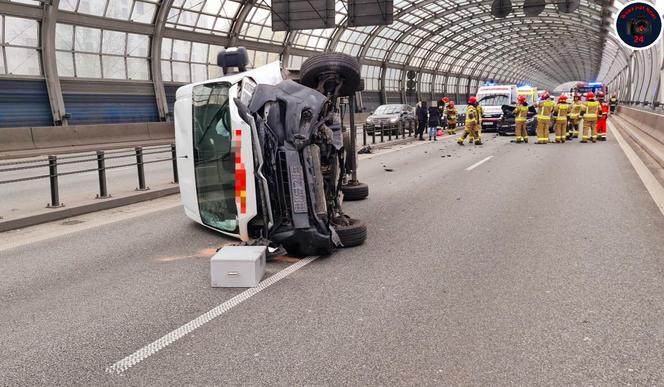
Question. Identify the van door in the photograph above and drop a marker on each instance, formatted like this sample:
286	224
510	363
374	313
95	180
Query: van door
184	145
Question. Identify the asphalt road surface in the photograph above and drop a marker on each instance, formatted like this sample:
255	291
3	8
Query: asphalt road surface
542	265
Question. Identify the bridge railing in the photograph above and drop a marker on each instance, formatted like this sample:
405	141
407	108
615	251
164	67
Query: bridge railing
52	163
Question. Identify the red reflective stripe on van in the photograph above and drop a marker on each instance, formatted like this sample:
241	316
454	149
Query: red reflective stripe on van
240	174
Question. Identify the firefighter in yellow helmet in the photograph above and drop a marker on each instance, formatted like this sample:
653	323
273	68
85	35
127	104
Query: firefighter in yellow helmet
545	107
451	113
472	123
561	110
575	112
520	118
591	109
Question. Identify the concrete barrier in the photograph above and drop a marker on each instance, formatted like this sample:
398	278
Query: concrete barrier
35	138
649	122
161	130
55	136
103	134
15	138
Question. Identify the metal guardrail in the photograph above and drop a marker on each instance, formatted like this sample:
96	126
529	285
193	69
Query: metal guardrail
389	129
53	162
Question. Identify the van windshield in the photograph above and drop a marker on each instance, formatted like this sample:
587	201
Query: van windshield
494	100
214	156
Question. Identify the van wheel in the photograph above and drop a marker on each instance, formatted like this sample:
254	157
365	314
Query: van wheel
353	234
345	66
354	192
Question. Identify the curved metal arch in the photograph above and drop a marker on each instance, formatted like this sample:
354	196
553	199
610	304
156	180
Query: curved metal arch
239	20
474	47
521	56
155	58
499	49
452	23
612	65
612	38
475	26
414	27
49	62
428	59
493	71
491	48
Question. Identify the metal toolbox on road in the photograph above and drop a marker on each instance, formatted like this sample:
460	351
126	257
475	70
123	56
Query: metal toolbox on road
238	266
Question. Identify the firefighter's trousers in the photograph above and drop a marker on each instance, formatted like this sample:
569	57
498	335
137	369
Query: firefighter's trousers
472	131
451	127
601	127
561	130
589	129
573	127
543	130
521	132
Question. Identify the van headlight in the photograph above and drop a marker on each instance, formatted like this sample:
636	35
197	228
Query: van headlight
394	120
369	120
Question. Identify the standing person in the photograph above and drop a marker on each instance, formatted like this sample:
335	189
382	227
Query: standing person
434	121
545	107
451	118
591	109
613	102
602	116
561	111
480	115
471	123
575	117
422	119
442	107
520	118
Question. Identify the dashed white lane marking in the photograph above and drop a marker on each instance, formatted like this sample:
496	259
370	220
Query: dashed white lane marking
477	164
652	185
169	338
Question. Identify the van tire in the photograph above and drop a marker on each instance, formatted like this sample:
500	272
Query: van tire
353	192
353	234
346	66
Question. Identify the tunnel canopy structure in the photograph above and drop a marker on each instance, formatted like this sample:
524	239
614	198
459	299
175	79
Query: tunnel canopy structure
114	61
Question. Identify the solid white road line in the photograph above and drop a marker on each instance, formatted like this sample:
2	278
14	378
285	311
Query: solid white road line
169	338
652	185
477	164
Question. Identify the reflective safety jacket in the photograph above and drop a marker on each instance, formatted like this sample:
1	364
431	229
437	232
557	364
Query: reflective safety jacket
471	115
613	101
480	113
561	111
451	115
604	109
591	108
545	110
576	109
521	113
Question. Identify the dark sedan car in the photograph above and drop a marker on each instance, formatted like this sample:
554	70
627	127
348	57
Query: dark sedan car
506	125
395	117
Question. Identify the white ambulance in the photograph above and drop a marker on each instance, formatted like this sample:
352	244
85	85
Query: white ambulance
492	98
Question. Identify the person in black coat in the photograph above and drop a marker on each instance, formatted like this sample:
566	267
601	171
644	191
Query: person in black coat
422	118
434	121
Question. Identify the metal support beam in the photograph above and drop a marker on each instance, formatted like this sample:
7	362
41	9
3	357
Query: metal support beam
383	93
155	60
49	21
